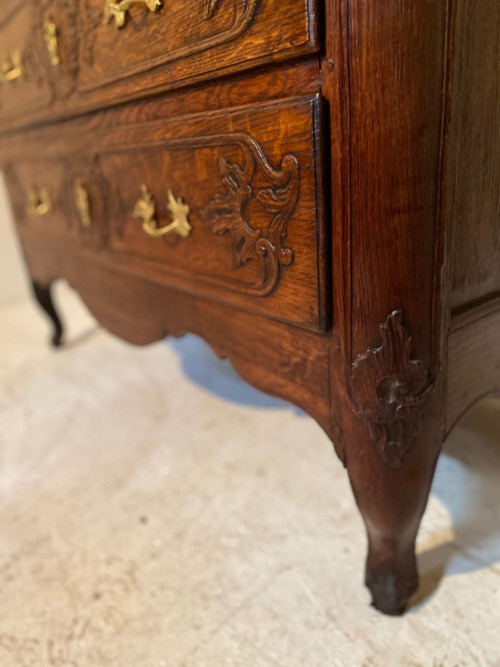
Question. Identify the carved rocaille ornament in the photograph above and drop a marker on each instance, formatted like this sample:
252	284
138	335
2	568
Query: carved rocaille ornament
388	387
228	213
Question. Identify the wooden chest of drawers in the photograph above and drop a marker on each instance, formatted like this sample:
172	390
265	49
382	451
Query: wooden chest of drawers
298	182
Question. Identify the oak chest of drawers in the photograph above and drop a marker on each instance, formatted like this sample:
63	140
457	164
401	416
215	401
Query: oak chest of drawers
312	186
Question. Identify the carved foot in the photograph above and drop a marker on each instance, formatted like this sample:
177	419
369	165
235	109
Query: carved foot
391	501
391	583
44	298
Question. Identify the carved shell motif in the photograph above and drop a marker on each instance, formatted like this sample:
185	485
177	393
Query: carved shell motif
388	386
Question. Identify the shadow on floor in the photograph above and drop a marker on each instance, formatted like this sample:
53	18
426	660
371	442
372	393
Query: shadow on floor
202	366
466	480
81	338
467	483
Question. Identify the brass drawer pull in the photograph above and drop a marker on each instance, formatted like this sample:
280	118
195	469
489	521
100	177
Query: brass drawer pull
118	9
82	203
51	39
39	202
12	68
145	209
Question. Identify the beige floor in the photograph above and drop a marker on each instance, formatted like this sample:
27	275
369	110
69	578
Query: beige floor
155	511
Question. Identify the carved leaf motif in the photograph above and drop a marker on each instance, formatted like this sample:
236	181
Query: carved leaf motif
228	213
225	213
387	387
280	204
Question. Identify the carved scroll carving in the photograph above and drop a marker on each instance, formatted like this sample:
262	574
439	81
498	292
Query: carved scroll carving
211	7
388	387
228	213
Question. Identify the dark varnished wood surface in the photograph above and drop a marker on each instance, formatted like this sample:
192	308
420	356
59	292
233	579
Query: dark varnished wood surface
392	62
395	118
279	81
474	154
474	359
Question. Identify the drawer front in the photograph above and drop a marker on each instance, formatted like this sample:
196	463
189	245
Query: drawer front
187	39
235	194
58	198
226	205
38	57
23	79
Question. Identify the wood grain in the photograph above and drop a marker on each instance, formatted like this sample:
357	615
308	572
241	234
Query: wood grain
188	41
396	108
392	86
474	154
473	359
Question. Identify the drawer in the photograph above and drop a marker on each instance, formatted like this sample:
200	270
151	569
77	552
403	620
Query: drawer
186	40
225	205
38	60
59	197
23	81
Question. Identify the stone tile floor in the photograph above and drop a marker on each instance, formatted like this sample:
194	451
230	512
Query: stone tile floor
155	511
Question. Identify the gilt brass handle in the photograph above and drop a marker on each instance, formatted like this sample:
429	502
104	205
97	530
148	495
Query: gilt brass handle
82	203
117	9
51	39
12	68
145	209
39	202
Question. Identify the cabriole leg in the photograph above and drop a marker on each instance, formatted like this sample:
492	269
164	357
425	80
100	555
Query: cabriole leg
392	440
44	298
392	500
